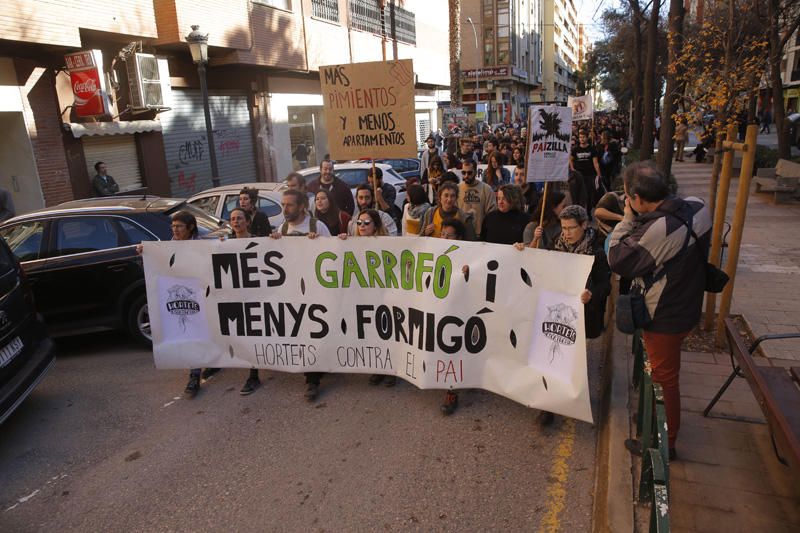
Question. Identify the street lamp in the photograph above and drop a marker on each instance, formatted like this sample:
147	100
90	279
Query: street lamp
198	46
489	89
477	69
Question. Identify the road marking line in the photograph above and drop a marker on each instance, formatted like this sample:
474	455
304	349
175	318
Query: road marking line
556	492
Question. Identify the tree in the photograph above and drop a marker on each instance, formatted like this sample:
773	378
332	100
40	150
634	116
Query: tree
638	84
650	80
722	60
784	20
455	52
672	93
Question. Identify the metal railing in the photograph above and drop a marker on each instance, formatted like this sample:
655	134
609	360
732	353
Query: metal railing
365	15
651	428
325	9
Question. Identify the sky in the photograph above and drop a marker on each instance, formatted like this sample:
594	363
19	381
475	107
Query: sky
589	12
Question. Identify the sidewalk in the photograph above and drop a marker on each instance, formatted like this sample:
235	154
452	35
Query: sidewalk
727	477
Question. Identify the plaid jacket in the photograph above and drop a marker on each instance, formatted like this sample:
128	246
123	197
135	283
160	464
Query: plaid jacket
641	246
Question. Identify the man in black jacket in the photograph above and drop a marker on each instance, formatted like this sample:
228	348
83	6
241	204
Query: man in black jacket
662	244
103	184
339	189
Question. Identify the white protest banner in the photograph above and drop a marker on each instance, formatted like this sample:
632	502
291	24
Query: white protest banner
549	145
513	324
369	109
582	107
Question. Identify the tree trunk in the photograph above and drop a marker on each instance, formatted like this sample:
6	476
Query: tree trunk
455	52
638	71
776	83
649	96
672	95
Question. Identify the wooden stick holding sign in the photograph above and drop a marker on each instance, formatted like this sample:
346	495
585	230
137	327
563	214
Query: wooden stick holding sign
535	241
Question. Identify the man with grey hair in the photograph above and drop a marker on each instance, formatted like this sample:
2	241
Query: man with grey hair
662	244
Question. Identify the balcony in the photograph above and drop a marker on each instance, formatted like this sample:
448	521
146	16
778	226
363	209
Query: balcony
366	16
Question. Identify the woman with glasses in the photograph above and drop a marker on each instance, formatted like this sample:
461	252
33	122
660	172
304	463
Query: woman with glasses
369	224
578	238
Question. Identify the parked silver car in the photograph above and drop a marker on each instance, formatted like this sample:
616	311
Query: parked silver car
354	174
219	201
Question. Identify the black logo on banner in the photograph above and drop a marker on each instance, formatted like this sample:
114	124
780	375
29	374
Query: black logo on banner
549	127
182	304
558	327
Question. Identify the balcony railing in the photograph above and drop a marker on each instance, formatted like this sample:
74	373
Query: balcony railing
365	15
325	9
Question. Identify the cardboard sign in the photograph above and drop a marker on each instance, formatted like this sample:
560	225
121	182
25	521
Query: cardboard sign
401	306
582	107
550	130
369	109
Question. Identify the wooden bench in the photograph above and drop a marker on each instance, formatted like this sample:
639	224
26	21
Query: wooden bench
782	180
777	391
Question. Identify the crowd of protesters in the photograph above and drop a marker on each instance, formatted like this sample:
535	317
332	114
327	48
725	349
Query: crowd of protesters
583	215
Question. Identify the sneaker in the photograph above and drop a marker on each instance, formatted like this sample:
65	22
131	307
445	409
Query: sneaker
545	418
312	391
208	372
374	379
192	387
450	403
390	381
250	386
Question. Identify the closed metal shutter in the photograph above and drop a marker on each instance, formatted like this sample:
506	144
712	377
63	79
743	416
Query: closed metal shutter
119	154
186	146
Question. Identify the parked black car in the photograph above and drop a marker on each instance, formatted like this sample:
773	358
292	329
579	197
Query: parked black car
80	259
26	352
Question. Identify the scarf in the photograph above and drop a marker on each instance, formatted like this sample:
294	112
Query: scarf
583	246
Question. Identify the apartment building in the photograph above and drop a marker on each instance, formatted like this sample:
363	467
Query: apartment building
149	128
561	51
790	67
501	56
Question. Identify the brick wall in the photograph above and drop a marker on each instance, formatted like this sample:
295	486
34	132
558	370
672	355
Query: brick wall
41	116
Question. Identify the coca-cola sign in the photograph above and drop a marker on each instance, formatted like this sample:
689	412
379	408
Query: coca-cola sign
88	85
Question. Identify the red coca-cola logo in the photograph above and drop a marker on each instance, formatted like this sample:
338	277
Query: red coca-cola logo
85	88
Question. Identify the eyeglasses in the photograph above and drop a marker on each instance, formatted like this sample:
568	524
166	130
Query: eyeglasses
363	222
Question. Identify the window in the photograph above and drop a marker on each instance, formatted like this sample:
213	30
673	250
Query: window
25	240
365	15
268	207
353	177
207	204
325	9
280	4
134	233
85	234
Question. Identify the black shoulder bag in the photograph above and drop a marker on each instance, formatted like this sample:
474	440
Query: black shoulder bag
716	278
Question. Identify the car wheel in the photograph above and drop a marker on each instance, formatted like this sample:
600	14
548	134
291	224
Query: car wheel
139	321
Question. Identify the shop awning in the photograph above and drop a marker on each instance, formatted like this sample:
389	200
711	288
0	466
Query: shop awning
113	128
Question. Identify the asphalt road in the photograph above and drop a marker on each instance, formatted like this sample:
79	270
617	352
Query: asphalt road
107	443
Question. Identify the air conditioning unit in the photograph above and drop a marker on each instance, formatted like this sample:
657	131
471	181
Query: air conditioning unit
148	80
